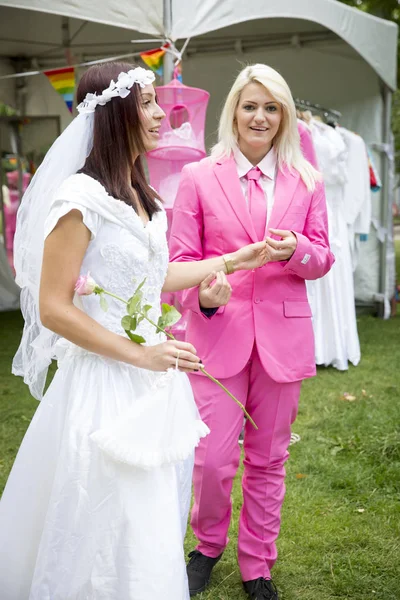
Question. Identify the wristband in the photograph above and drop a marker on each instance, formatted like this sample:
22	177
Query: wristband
228	264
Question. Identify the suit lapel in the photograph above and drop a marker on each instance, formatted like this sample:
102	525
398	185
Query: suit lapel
227	175
285	187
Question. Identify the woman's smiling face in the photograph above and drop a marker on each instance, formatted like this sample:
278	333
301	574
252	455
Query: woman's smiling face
258	117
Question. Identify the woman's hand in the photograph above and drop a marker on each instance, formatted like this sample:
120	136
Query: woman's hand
168	355
214	290
282	249
249	257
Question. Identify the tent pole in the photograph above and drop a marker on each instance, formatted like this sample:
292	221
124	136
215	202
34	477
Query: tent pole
386	195
168	57
66	40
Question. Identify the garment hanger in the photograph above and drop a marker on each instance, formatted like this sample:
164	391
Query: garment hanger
328	115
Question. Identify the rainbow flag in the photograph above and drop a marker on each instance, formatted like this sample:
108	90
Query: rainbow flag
63	81
155	59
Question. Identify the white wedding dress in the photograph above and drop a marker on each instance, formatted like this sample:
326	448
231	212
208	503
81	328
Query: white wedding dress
96	504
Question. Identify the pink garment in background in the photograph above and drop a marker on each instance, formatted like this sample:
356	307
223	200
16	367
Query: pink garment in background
306	143
10	210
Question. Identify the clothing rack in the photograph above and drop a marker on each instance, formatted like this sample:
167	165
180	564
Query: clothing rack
330	115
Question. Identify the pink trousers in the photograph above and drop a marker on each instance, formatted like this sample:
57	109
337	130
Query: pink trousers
273	406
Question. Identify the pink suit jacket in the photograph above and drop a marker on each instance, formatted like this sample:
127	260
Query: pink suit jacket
268	305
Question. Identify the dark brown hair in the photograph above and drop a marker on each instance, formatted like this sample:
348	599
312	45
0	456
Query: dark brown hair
117	138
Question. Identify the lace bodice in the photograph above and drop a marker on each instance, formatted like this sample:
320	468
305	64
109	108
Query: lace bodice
122	251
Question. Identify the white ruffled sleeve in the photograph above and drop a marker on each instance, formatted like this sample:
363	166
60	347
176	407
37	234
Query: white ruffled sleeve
74	194
60	208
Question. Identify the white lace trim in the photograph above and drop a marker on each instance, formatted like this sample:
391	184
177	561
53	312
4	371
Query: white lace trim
134	455
162	427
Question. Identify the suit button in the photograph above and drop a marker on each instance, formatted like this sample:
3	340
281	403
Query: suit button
257	300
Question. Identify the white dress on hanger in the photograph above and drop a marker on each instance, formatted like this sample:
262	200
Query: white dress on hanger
332	296
77	522
357	191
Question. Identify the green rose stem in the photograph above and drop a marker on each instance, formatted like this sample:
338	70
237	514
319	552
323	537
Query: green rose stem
229	394
98	290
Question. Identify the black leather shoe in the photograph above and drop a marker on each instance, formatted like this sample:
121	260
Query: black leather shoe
261	589
199	570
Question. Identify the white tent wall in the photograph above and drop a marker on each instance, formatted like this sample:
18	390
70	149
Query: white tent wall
40	100
9	291
7	95
7	87
43	100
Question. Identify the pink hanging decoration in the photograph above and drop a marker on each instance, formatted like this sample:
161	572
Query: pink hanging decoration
181	142
181	136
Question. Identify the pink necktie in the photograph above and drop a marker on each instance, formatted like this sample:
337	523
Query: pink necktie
257	202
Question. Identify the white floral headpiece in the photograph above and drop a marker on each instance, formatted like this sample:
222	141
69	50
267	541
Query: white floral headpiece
120	88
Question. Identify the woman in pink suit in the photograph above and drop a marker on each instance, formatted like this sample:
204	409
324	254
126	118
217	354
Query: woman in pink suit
255	185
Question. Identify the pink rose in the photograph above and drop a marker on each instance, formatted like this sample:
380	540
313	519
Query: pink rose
85	285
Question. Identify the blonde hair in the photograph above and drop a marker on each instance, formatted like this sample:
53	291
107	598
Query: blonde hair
286	141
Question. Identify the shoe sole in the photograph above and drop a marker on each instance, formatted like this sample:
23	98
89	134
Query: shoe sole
199	591
202	589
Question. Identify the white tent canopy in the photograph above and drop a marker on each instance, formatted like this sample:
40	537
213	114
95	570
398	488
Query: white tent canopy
140	16
330	54
374	39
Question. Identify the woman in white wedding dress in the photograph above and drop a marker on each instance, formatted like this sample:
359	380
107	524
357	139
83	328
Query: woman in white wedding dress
88	513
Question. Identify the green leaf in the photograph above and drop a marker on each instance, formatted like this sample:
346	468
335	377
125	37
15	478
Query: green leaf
129	323
103	303
134	303
135	338
146	309
140	286
130	308
126	322
160	323
170	315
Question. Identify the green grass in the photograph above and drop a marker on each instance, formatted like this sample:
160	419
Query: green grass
340	535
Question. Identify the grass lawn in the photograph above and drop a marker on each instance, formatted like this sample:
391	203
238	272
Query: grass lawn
340	536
